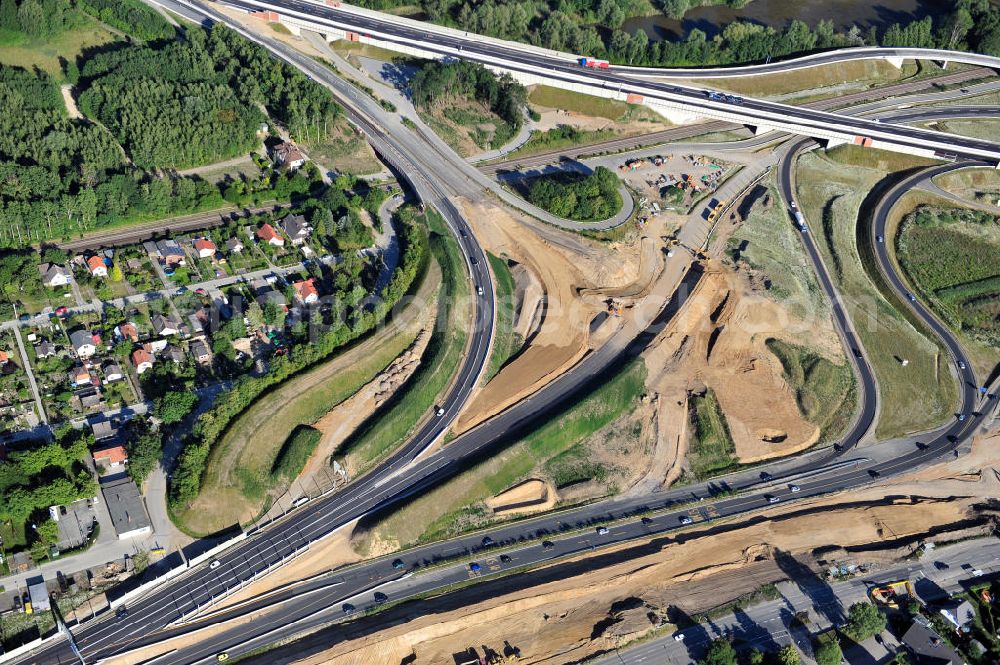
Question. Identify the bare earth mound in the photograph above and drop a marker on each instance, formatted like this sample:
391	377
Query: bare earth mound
532	495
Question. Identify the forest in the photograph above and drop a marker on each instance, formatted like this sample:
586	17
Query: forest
437	81
585	198
169	104
592	27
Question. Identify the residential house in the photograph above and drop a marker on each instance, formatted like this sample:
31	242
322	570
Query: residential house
270	236
305	291
287	154
142	360
174	354
926	646
80	376
45	349
166	326
296	228
205	248
272	296
112	457
91	399
201	352
959	613
127	331
201	320
234	245
84	343
170	253
97	267
155	346
54	275
112	372
104	430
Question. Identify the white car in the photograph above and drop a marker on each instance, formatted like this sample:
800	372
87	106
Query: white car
795	488
215	564
773	499
479	290
602	531
678	637
686	520
439	411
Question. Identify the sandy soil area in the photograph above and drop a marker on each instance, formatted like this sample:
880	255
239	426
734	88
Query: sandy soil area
555	621
718	341
532	495
560	272
67	93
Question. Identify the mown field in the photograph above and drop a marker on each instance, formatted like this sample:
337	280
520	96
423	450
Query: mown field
831	188
952	255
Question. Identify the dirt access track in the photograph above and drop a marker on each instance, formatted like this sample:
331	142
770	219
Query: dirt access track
551	614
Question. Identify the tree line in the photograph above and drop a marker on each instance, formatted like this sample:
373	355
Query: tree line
131	16
592	27
37	18
211	425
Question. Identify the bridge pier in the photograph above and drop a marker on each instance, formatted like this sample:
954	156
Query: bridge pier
292	27
896	62
759	130
943	64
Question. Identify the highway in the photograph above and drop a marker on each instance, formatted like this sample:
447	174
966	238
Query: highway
558	70
404	475
318	602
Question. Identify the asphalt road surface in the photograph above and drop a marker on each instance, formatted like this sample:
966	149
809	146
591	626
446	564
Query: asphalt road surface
390	485
517	57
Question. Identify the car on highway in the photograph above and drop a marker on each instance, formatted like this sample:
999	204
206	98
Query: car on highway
764	475
647	520
879	239
347	608
504	558
439	411
474	261
911	297
795	488
464	234
222	657
487	541
794	205
678	637
961	364
479	290
602	531
475	567
380	597
215	564
398	564
121	612
686	520
773	499
548	544
961	417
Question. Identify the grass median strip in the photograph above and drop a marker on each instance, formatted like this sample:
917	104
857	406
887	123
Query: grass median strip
506	342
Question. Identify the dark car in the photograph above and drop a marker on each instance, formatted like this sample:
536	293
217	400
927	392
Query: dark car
487	542
475	567
380	597
398	564
504	558
547	544
121	612
348	608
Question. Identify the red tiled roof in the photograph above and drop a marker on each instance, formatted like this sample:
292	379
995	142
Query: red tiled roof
204	243
113	455
95	262
267	232
140	356
306	288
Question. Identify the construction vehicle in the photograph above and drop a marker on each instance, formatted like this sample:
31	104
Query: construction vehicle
892	594
614	308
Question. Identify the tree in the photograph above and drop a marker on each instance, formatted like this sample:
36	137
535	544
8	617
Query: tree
863	621
789	655
720	652
8	15
174	406
827	651
48	532
144	450
115	273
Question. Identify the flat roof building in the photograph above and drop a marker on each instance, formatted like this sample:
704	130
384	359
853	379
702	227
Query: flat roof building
128	511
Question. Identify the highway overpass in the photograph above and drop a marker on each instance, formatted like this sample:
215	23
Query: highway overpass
534	65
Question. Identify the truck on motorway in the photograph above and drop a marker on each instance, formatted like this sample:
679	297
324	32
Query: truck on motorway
593	62
800	221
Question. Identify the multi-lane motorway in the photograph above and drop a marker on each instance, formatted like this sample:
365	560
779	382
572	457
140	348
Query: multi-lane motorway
401	476
559	71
